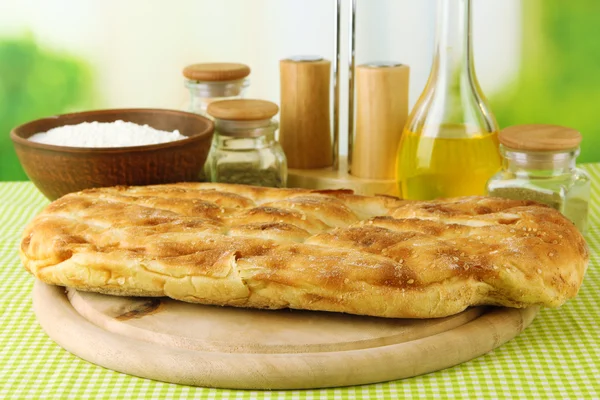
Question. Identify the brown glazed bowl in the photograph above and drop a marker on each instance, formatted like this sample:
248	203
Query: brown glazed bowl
58	170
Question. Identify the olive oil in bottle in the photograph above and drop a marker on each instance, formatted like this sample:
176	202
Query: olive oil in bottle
446	166
450	144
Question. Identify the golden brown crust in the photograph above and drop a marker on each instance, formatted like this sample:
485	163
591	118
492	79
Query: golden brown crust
317	250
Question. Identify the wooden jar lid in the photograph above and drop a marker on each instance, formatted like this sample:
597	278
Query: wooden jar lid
213	72
540	138
243	110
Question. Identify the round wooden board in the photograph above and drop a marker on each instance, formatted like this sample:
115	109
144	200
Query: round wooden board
191	344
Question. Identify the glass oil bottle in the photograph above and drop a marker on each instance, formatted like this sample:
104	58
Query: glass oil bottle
449	146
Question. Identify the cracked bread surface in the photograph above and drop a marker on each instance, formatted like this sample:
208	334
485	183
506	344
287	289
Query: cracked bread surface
244	246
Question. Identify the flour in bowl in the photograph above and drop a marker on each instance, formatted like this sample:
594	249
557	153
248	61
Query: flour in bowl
105	134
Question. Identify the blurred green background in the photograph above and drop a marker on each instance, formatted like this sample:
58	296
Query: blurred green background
36	83
557	82
559	79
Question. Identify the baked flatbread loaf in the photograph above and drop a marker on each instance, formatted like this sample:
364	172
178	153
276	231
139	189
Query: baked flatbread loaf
315	250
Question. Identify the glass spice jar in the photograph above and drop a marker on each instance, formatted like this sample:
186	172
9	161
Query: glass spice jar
208	82
245	150
539	164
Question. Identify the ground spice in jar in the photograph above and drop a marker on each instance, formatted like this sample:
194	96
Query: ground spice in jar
519	193
248	174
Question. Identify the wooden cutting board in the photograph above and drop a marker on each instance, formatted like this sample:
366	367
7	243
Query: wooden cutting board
191	344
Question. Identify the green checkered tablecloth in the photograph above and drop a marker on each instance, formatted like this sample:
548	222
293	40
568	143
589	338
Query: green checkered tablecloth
558	356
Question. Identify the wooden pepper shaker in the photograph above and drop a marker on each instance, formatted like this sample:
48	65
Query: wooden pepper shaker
381	113
305	120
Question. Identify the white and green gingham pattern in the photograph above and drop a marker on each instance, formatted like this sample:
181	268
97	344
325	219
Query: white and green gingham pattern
558	356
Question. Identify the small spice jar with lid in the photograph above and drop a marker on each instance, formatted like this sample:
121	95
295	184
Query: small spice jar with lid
539	165
208	82
244	147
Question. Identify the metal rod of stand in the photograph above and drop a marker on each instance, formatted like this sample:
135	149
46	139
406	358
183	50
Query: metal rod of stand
351	62
336	84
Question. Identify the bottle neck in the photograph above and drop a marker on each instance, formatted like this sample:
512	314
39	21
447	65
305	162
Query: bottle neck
539	163
453	58
452	97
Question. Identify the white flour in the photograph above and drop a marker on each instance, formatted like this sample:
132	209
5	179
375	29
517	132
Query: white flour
105	134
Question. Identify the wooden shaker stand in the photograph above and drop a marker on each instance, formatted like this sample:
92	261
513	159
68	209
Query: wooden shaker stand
381	113
382	109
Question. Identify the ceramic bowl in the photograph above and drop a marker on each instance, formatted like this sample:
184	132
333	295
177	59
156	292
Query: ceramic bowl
58	170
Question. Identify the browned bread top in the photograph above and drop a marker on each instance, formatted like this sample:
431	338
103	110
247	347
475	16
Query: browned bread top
317	250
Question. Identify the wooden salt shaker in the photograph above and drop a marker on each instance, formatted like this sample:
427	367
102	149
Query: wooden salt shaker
305	121
381	113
